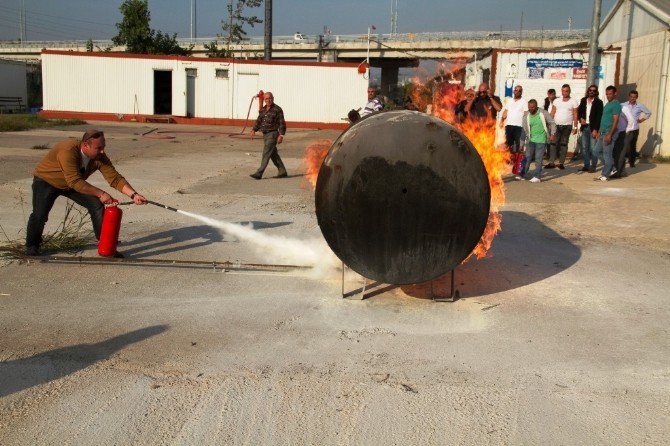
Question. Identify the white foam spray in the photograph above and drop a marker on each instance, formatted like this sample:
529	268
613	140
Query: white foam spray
276	249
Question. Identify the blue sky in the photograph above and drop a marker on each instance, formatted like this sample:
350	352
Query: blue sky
83	19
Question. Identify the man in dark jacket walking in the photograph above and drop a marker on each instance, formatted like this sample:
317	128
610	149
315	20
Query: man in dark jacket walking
271	122
589	112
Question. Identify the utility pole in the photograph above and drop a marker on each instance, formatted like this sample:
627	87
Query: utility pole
22	22
230	23
268	30
593	43
394	17
194	19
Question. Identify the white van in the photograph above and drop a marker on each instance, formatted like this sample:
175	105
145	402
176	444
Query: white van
299	36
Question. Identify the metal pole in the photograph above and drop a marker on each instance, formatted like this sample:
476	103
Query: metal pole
22	22
268	30
192	19
367	57
593	43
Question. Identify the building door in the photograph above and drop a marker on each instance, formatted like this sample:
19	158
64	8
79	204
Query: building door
246	88
191	76
162	92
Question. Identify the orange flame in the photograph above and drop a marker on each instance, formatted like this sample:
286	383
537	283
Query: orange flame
491	149
315	153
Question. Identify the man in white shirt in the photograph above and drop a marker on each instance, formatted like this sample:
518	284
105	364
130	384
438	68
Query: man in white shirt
512	118
640	114
564	112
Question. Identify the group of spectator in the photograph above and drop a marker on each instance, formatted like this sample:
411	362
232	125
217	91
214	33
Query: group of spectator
609	131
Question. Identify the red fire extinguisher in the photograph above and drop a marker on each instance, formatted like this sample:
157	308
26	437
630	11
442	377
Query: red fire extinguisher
111	225
260	95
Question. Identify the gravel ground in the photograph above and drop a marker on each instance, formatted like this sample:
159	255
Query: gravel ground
561	336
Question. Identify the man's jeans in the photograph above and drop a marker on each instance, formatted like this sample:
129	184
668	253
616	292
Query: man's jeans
270	153
513	137
588	146
560	144
535	150
44	196
604	153
630	146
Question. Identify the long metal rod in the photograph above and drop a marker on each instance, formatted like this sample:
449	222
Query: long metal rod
166	262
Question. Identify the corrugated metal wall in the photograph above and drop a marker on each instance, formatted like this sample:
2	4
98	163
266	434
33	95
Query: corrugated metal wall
307	93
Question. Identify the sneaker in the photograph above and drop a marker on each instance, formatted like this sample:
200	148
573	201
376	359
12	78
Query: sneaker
256	176
550	166
584	169
561	166
32	251
535	180
601	178
614	171
118	255
519	177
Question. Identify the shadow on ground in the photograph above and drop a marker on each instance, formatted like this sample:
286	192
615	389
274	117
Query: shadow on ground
524	252
21	374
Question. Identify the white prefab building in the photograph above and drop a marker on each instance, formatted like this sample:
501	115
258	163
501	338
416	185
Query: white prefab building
124	86
641	28
13	86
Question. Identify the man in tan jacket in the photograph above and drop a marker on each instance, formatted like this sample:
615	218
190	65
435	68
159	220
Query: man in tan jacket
63	172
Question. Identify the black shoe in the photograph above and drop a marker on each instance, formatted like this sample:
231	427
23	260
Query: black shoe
256	176
118	255
584	169
561	166
32	251
550	166
282	175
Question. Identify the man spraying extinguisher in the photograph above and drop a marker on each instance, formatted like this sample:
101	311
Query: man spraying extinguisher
63	172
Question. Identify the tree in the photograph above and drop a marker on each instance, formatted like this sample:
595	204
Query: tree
165	44
134	31
236	21
213	50
138	37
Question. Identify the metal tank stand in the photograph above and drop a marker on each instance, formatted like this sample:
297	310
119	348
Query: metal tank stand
369	288
454	295
358	293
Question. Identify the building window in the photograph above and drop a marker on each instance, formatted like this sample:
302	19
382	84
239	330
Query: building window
222	73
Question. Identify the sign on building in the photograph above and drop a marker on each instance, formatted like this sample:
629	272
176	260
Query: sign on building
554	63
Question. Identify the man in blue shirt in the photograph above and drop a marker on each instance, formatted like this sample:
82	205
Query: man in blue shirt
640	114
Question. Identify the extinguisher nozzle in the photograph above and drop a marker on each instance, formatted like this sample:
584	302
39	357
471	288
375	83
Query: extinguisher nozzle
169	208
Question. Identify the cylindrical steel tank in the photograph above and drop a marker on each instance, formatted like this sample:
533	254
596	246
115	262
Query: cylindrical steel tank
402	197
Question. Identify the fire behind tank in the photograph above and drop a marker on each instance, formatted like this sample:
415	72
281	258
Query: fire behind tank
402	197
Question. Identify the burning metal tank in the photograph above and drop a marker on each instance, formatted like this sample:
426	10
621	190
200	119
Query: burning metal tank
402	197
